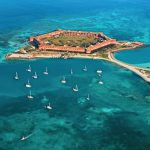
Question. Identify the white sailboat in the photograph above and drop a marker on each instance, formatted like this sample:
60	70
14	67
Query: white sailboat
88	97
29	69
35	76
16	76
28	85
63	81
48	107
75	89
101	82
25	137
46	71
85	68
30	95
71	72
99	71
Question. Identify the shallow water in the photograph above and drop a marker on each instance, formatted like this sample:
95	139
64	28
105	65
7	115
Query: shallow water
117	116
138	57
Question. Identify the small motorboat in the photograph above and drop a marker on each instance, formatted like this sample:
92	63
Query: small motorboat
29	69
35	76
30	95
63	81
25	137
16	76
75	89
28	85
46	71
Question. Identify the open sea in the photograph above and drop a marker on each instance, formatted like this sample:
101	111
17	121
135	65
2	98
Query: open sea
117	115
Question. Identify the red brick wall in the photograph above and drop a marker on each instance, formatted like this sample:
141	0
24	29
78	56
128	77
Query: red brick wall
92	48
61	48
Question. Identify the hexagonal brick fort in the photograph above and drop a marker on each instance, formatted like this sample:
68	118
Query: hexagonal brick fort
103	41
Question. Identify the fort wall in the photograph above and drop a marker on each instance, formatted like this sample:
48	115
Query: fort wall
44	46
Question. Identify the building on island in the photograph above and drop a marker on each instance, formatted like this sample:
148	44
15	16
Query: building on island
71	41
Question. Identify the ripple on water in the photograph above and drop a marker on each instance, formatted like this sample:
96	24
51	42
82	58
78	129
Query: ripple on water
118	109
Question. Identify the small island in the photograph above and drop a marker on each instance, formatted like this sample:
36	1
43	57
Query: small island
78	44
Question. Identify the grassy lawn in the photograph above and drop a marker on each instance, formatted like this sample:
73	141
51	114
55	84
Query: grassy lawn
71	41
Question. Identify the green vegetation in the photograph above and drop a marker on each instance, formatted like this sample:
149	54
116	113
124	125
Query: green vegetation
145	71
103	54
71	41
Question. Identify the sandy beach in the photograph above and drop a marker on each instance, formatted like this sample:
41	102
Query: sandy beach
134	69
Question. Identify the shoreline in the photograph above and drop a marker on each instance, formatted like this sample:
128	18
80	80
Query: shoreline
142	72
137	70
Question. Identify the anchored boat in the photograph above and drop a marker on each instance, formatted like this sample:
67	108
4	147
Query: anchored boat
71	72
28	85
29	69
48	106
88	97
16	76
63	81
99	71
75	89
46	71
85	68
35	76
30	95
100	82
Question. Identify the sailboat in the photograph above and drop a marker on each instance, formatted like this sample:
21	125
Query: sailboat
46	71
100	82
29	69
16	76
99	71
88	97
63	81
85	68
71	72
30	95
48	106
28	85
75	89
35	76
25	137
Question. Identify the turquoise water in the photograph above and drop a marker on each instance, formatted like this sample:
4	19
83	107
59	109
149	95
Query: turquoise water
117	116
120	19
139	57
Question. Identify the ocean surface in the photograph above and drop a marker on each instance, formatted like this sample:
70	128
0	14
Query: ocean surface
117	116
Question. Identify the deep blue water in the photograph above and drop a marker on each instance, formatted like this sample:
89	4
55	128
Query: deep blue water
117	116
123	20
